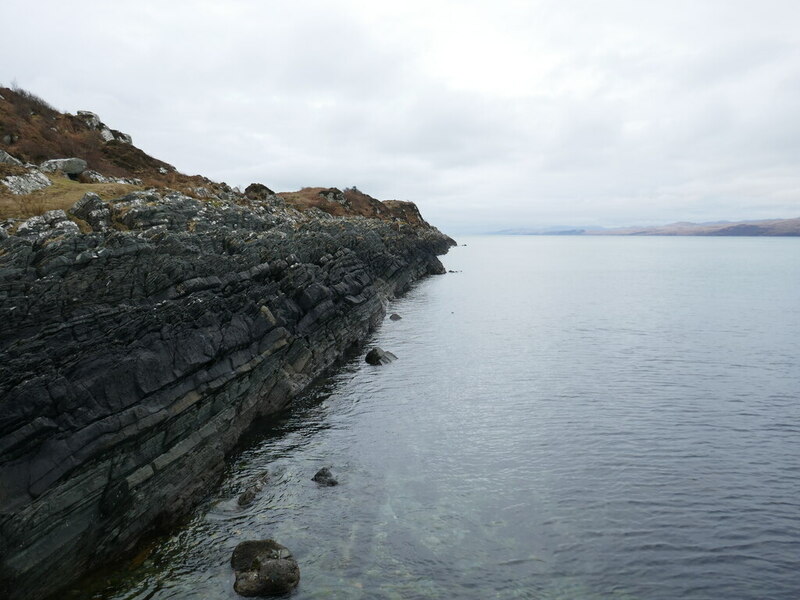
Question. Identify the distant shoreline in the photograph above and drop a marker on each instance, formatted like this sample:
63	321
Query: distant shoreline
762	228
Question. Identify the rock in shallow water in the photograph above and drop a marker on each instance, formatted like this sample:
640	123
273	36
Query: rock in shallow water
377	356
395	317
264	568
256	485
325	477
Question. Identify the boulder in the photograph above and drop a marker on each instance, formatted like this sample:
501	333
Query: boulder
258	191
395	317
90	118
334	195
377	356
264	568
325	477
69	166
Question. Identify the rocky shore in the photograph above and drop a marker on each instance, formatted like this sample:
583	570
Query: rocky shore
141	337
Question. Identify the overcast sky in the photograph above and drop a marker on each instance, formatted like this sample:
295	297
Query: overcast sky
487	114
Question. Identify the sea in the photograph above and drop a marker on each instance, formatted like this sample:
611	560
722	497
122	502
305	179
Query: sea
577	418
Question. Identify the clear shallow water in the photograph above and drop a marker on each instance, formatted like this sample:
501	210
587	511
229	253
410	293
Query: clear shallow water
577	418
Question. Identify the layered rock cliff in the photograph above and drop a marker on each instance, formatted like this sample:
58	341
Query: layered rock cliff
141	337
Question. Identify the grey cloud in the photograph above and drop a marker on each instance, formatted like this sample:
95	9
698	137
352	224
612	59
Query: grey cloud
613	113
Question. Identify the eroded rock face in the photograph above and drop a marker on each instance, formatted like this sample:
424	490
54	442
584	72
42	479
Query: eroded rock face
53	223
94	211
264	568
134	356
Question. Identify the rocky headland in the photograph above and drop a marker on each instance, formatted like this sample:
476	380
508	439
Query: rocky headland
144	332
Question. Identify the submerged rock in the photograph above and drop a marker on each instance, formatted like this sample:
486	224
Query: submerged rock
264	568
249	494
377	356
325	477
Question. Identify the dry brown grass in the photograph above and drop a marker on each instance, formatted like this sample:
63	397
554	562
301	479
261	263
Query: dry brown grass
39	132
62	194
8	169
358	204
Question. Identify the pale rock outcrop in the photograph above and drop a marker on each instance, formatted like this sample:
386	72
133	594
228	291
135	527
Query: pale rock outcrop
26	184
7	159
108	134
91	176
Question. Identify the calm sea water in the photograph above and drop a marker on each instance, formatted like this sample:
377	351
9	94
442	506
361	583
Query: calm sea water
571	418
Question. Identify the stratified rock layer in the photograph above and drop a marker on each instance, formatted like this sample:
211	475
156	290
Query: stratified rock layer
133	357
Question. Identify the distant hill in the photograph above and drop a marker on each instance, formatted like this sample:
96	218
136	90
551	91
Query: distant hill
769	227
772	227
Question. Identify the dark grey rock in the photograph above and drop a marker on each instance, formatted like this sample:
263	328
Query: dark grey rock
325	477
395	317
264	568
93	210
377	356
258	191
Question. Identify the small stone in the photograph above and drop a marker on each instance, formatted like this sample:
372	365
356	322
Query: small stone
325	477
264	568
395	317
